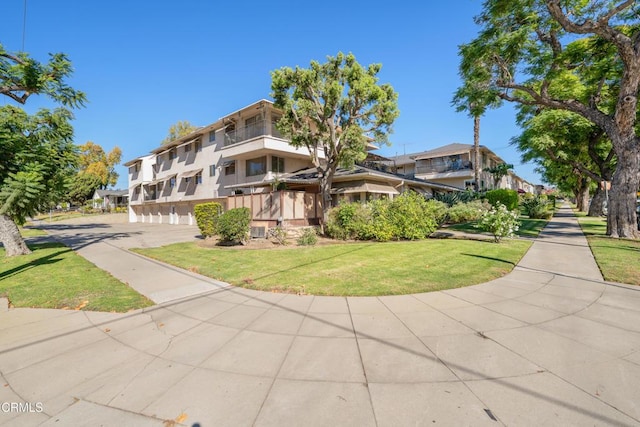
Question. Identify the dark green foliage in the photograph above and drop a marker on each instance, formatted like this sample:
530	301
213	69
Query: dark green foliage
536	207
234	225
509	198
37	160
456	197
82	187
207	215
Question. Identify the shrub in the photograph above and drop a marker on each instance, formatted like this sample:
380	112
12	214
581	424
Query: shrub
233	225
278	234
456	197
309	237
347	221
437	210
408	216
535	207
508	198
207	215
466	212
500	221
413	217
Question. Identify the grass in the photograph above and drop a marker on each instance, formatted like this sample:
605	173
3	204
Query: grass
53	276
618	259
356	269
528	227
31	232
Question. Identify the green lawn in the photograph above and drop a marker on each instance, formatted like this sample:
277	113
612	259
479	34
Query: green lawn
618	259
351	268
31	232
53	276
528	227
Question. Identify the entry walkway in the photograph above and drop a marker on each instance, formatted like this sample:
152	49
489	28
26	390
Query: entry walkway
548	344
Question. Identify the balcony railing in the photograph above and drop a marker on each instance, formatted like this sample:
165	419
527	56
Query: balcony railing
444	168
253	130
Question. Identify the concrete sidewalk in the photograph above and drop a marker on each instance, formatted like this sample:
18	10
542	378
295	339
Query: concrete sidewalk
548	344
106	244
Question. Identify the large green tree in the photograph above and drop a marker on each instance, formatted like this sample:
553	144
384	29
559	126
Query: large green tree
334	109
37	155
38	159
565	138
522	54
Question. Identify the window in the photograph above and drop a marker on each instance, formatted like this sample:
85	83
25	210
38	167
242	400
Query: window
277	164
187	148
172	154
257	166
197	146
198	178
212	136
212	170
172	182
230	169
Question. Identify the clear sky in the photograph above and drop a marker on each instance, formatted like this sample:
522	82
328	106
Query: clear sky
145	65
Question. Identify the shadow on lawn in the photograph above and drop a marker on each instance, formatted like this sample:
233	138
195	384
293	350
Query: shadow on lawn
490	258
43	260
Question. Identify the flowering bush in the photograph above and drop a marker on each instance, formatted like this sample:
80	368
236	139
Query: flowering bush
500	221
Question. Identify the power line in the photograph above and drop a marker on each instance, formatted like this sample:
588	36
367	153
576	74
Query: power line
24	24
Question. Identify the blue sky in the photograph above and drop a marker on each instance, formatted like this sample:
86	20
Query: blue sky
146	65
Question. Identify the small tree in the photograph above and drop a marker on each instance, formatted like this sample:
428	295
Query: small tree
334	109
498	172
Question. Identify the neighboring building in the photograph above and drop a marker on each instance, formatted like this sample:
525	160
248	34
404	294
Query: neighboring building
110	199
241	160
453	165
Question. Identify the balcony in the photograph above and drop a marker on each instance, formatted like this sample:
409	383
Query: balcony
254	130
460	165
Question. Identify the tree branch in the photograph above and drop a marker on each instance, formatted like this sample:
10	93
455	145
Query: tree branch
600	27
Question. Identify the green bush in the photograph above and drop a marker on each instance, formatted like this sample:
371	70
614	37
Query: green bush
309	237
466	212
535	207
508	198
207	215
409	217
437	210
234	225
500	221
379	227
348	221
456	197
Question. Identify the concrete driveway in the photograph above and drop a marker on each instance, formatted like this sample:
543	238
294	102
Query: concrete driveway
549	344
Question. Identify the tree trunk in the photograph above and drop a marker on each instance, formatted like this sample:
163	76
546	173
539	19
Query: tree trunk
326	180
595	208
582	194
476	152
11	239
621	216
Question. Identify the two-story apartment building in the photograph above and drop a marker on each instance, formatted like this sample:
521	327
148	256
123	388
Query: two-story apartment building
454	165
242	160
